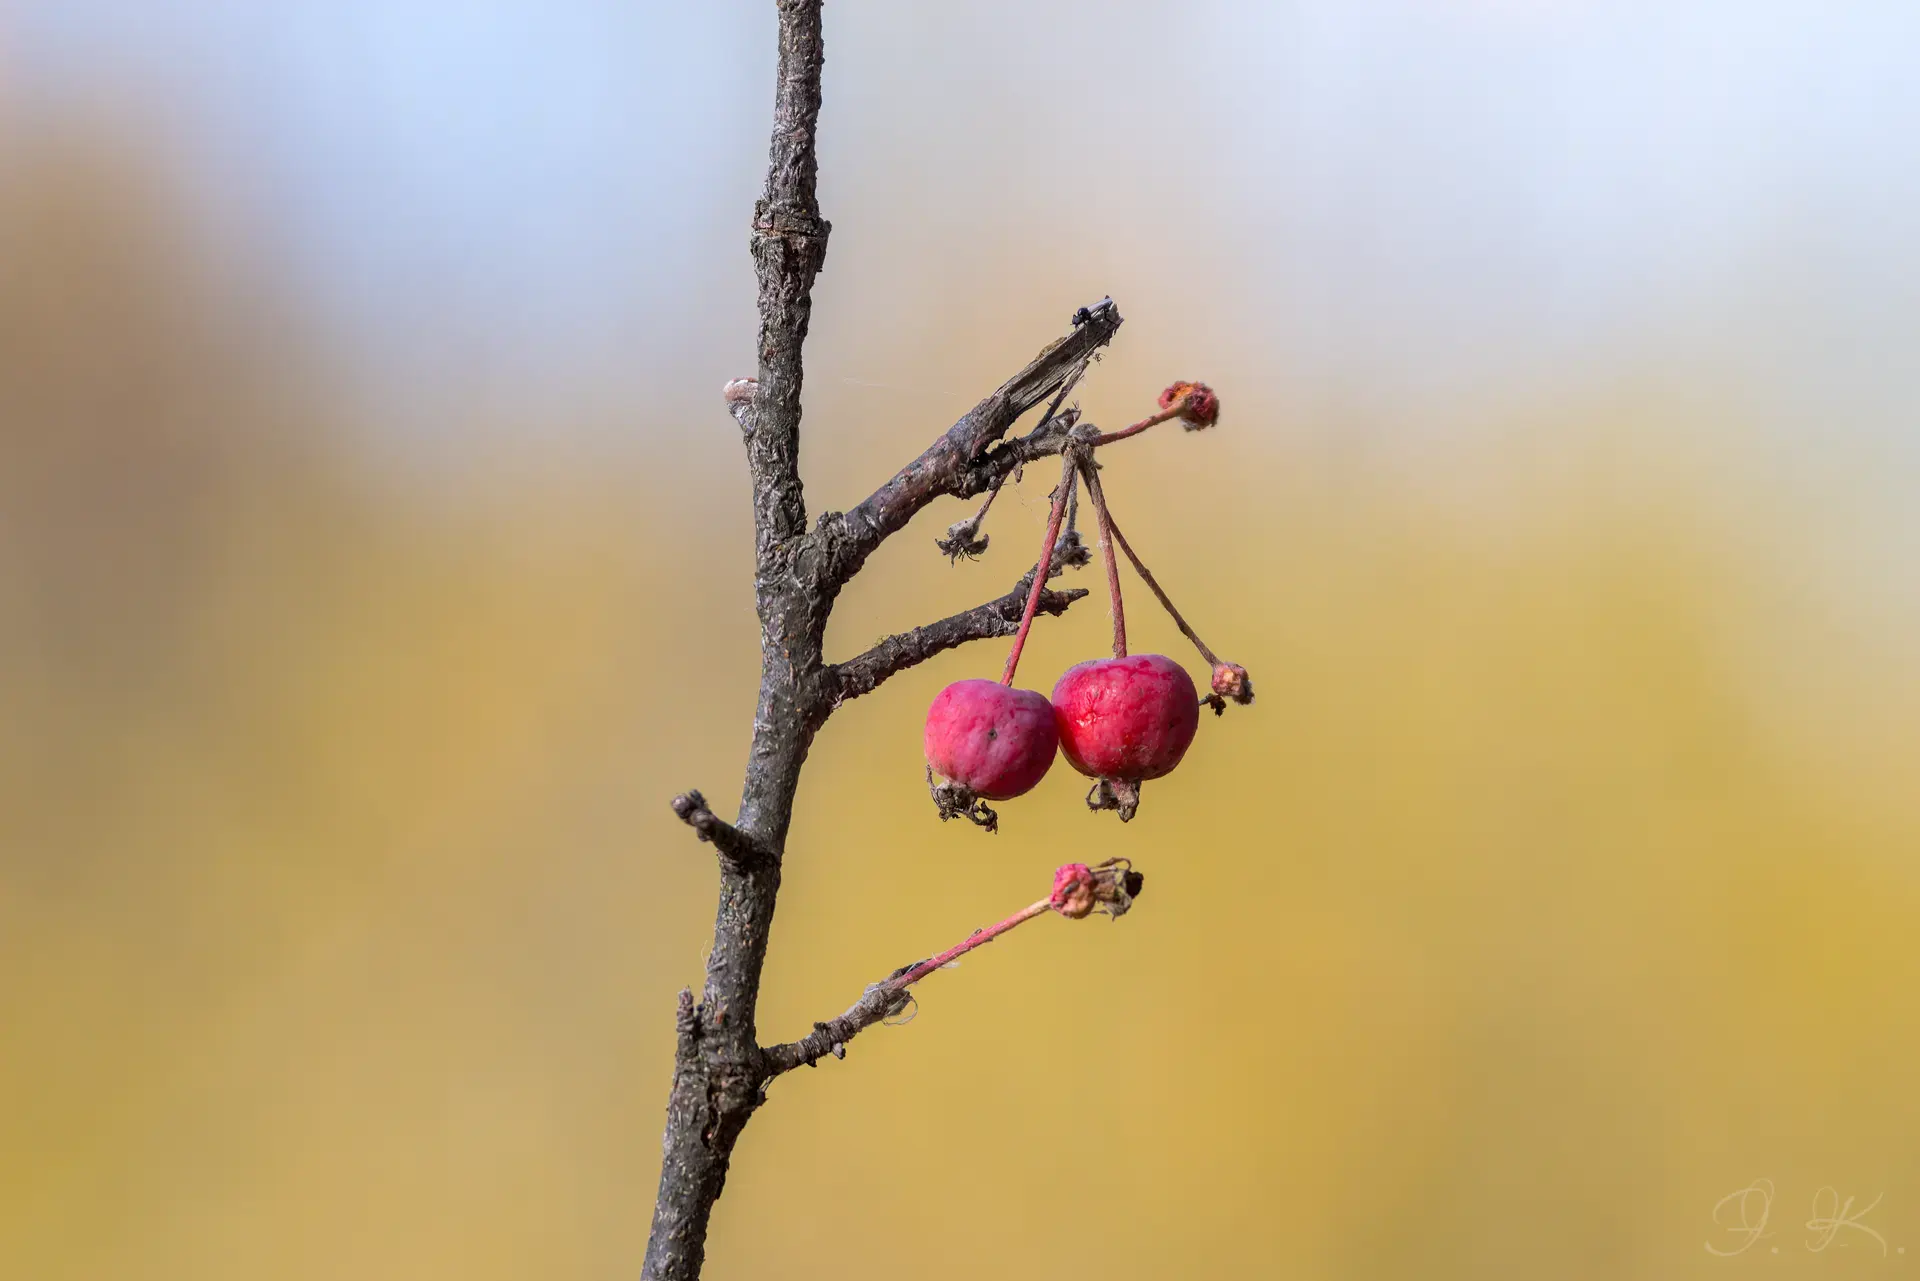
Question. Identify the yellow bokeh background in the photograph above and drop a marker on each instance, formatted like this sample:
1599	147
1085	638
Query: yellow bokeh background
1561	882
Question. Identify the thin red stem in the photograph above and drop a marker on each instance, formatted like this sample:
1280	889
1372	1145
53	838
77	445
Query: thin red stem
1042	568
972	941
1172	411
1146	576
1106	549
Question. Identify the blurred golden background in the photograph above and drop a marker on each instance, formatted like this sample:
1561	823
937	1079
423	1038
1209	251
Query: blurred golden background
374	567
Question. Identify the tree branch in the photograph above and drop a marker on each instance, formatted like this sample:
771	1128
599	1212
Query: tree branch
789	247
717	1070
720	1071
878	1002
895	654
1078	892
959	463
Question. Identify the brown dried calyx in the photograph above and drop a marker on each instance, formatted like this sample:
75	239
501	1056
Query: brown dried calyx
957	800
1110	887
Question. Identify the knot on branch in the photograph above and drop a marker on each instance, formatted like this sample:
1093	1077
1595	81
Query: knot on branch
739	396
803	230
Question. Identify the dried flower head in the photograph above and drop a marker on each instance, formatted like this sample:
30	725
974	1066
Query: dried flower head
964	540
1199	406
1070	551
1110	886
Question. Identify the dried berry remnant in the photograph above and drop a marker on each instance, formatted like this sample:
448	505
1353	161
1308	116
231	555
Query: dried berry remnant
1230	680
1110	887
1070	552
964	540
992	739
1199	407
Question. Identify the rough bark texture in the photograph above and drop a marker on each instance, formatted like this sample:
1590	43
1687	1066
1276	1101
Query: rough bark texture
720	1070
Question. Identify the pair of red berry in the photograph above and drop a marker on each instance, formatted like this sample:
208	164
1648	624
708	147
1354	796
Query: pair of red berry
1120	720
1127	719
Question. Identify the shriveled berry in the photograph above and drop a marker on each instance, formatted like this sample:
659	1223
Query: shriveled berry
1128	718
1230	680
1110	887
1199	405
996	741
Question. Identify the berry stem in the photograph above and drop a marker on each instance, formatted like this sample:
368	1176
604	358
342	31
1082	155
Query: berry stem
1041	569
1171	411
972	941
1146	576
1107	539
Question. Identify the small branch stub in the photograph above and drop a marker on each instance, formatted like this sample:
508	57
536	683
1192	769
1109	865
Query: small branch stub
734	845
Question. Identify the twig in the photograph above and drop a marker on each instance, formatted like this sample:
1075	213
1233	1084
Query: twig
960	463
964	538
998	617
1078	891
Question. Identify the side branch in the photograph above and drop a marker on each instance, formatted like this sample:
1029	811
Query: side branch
1078	892
948	466
876	1003
734	845
895	654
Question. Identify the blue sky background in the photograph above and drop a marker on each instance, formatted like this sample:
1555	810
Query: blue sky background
1412	200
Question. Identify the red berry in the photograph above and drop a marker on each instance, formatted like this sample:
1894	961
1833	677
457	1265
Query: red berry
1126	718
993	739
